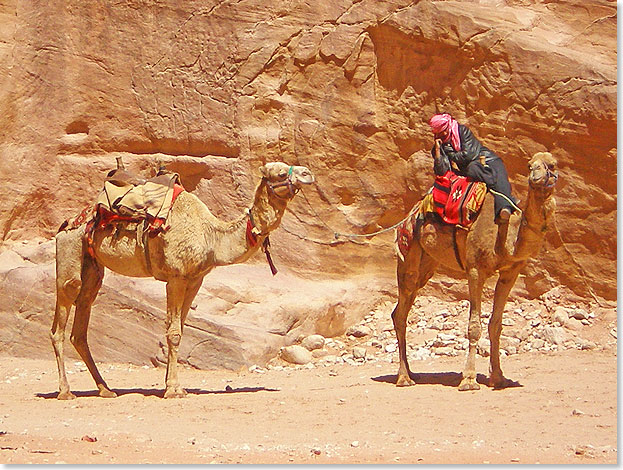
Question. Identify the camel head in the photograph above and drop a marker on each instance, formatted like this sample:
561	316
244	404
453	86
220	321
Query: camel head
283	180
543	171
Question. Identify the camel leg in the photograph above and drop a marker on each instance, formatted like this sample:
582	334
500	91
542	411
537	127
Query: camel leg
413	273
473	330
92	276
191	292
68	283
176	300
505	283
399	317
57	335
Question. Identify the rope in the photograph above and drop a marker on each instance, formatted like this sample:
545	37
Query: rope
351	237
387	229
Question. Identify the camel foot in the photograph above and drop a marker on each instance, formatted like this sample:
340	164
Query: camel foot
498	382
404	381
468	383
174	392
66	395
106	393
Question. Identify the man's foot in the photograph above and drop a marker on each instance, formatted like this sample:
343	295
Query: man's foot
503	216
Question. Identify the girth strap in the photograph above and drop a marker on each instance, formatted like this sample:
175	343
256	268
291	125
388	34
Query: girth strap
457	255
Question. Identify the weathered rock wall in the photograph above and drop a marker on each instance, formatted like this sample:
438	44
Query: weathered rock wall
214	89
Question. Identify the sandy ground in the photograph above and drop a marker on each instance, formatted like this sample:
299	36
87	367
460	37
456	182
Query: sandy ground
564	411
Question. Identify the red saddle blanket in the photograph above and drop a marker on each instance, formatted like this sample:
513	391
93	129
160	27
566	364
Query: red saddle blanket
458	199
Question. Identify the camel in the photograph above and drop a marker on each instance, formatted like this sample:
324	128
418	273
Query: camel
195	243
482	252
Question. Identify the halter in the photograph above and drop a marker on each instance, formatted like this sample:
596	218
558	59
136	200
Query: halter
550	180
292	190
553	176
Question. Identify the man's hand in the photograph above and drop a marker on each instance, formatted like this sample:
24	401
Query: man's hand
437	148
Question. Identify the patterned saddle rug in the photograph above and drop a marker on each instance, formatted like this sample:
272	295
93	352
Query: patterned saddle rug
455	199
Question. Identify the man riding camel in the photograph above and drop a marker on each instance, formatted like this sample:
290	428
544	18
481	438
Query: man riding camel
456	144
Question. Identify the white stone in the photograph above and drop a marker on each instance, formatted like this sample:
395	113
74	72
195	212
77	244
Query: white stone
358	331
554	334
313	342
296	354
359	352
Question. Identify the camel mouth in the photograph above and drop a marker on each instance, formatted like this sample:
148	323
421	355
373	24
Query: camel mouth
302	176
543	171
545	179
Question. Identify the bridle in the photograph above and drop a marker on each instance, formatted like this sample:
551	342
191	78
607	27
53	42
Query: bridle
550	175
292	190
551	178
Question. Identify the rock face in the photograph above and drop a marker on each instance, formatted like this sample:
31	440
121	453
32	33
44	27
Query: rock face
215	89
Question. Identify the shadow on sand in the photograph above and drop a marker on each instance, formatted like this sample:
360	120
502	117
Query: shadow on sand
449	379
158	392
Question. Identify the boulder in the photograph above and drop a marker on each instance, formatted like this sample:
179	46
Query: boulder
295	354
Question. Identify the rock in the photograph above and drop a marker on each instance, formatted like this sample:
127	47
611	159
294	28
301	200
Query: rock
561	315
579	314
507	342
521	334
331	359
390	348
358	331
420	354
296	354
444	351
510	349
318	353
554	334
573	324
484	347
313	342
359	352
444	339
538	344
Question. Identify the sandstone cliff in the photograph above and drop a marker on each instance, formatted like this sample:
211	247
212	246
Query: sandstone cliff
216	88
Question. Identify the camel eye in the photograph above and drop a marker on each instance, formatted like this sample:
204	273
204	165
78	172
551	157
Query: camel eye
283	174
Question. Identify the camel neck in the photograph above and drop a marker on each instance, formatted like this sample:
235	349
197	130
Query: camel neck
533	223
264	215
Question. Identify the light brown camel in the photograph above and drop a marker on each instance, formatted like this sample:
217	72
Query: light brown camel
195	243
432	245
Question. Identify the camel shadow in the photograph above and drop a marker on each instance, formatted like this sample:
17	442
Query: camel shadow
448	379
158	392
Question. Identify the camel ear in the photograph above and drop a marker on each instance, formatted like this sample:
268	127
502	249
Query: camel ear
264	171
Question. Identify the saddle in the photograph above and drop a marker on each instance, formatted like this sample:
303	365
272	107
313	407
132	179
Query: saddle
127	195
456	200
128	198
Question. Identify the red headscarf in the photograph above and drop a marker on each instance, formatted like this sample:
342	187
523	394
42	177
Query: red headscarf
441	122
